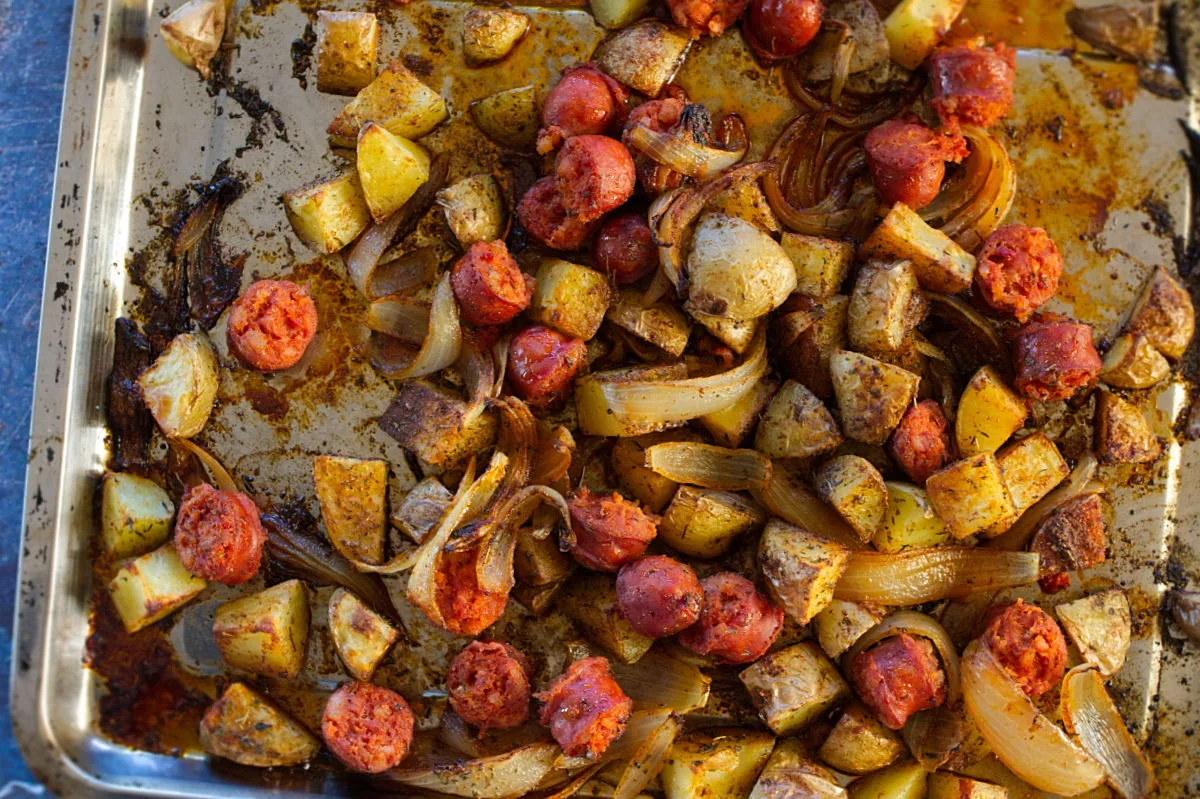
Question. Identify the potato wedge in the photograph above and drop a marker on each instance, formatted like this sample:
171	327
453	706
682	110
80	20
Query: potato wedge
703	522
872	395
490	33
745	200
737	334
644	56
730	426
346	45
800	569
629	463
390	169
135	515
855	489
570	298
328	214
898	781
1031	468
944	785
614	14
736	270
474	208
152	587
265	633
859	743
971	498
792	687
1100	626
807	358
422	509
397	100
939	263
841	623
821	264
796	425
591	602
247	728
353	497
1164	314
509	117
361	636
180	387
911	522
661	324
436	425
791	774
915	27
716	763
989	412
1122	433
1133	362
885	306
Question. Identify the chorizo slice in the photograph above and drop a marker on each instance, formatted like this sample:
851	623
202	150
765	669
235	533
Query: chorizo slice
489	685
542	365
706	16
738	624
1018	270
272	324
489	285
585	709
544	215
908	161
659	596
595	175
1053	357
921	443
779	29
608	531
972	84
625	248
898	677
367	727
1028	644
218	535
584	101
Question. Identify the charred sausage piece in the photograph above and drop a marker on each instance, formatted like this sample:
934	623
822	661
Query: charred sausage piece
1053	357
908	161
585	709
1029	645
488	684
489	286
544	215
972	84
659	596
738	624
608	531
542	365
218	535
272	324
706	16
1018	270
584	101
625	248
659	116
595	175
922	443
466	608
779	29
367	727
1072	538
898	677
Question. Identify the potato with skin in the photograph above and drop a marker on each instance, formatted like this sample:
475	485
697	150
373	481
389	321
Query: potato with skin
436	425
509	117
730	426
807	359
396	100
841	623
570	298
135	514
1164	314
737	334
265	633
474	208
390	169
791	773
911	522
490	34
971	498
915	27
152	587
859	743
1133	362
989	412
796	425
715	763
613	14
855	489
661	324
944	785
885	307
591	602
180	387
793	687
821	264
735	270
939	263
347	42
1122	433
1100	626
799	568
704	522
247	728
872	395
629	462
353	497
644	56
898	781
1031	468
328	214
361	636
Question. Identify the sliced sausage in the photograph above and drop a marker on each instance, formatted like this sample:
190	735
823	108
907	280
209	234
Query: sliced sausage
898	677
1018	270
218	535
544	215
272	324
779	29
608	531
488	684
489	285
584	101
1072	538
659	596
595	175
542	365
625	248
367	727
585	709
1053	357
738	623
972	84
465	607
706	16
1028	644
921	443
908	161
659	116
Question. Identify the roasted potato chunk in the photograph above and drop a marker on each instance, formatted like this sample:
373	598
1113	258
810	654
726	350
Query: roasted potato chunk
594	410
644	56
796	425
180	387
135	515
704	522
1164	314
859	743
730	426
346	46
792	687
1133	362
390	169
807	359
821	264
422	509
911	522
397	100
353	497
329	214
661	324
629	462
247	728
570	298
800	568
152	587
1031	468
944	785
791	774
842	623
716	763
885	306
1122	433
971	498
194	32
855	489
939	263
737	334
436	425
745	200
265	633
898	781
591	602
1100	626
871	394
474	209
509	117
989	412
490	33
617	13
361	636
915	27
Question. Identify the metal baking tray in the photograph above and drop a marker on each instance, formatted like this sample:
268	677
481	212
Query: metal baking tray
1100	167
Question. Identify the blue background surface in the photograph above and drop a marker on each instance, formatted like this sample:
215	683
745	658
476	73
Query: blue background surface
34	37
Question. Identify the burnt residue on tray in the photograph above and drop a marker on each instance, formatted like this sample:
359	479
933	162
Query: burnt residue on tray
302	53
129	423
265	118
212	280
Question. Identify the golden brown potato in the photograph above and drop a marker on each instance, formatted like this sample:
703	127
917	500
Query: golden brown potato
971	498
135	515
361	636
180	387
490	33
539	561
629	462
397	100
944	785
643	56
265	633
842	623
248	728
570	298
885	306
661	324
821	264
915	27
1133	362
859	743
436	425
614	14
745	200
939	263
1031	468
911	522
737	334
807	358
796	425
855	489
591	602
1122	433
791	774
704	522
989	412
353	497
474	209
422	509
390	169
328	214
346	46
799	568
872	395
730	426
1164	314
1100	626
715	763
152	587
898	781
594	410
509	117
792	687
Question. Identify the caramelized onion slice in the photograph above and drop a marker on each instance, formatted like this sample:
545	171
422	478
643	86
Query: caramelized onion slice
709	466
926	575
399	317
442	341
516	773
786	495
683	154
1089	714
220	475
659	680
648	760
494	567
977	197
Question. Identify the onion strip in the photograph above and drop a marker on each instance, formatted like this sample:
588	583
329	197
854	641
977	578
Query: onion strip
442	344
926	575
1078	483
417	268
494	568
648	760
1089	714
708	466
221	476
515	773
399	317
682	154
975	199
660	680
786	495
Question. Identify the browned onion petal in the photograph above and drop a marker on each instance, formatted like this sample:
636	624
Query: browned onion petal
926	575
1089	714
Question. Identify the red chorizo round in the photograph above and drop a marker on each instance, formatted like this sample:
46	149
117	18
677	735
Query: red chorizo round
585	709
972	84
544	216
488	685
218	535
898	677
1017	270
779	29
272	324
738	623
659	116
584	101
922	444
488	284
908	161
542	365
608	531
625	248
465	607
1029	645
1053	357
659	596
367	727
706	16
595	175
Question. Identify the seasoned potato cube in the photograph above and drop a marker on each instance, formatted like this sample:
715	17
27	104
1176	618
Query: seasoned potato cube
1164	314
859	743
346	45
807	359
390	169
1133	362
152	587
591	602
716	763
193	33
436	425
871	394
509	117
704	522
800	568
361	636
970	497
329	214
643	56
353	497
842	623
821	264
944	785
796	425
745	200
898	781
489	33
646	485
422	509
989	412
938	262
1031	467
915	27
617	13
474	209
135	515
737	334
856	491
248	728
397	100
911	522
265	633
661	324
539	561
180	387
791	774
1100	626
792	687
570	298
730	426
885	306
1122	433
